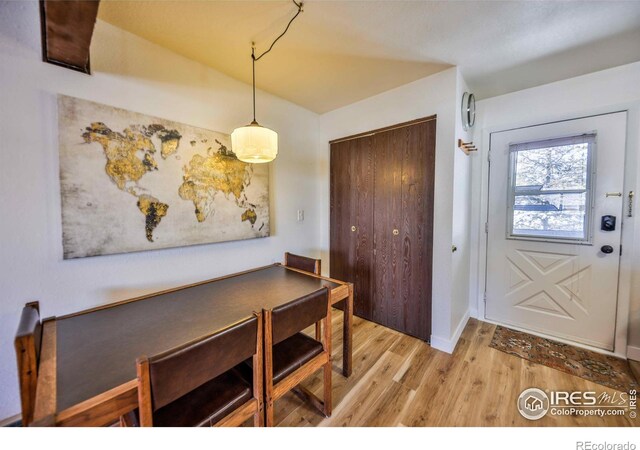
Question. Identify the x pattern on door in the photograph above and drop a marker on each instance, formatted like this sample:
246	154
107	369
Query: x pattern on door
548	283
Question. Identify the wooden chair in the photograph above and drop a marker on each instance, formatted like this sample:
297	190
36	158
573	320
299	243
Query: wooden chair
199	384
308	265
291	356
27	344
302	263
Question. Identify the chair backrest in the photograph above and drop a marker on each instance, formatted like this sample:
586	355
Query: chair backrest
27	345
295	316
302	262
176	373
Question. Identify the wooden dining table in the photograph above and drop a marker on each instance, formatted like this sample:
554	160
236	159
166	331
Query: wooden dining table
87	372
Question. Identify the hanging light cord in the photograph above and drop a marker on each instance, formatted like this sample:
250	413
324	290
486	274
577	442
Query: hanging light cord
255	58
299	5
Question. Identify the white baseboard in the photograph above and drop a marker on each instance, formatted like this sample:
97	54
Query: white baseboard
633	353
449	345
10	421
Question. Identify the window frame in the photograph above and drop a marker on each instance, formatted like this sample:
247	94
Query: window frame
514	148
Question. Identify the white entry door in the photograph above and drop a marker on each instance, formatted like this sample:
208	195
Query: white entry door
553	252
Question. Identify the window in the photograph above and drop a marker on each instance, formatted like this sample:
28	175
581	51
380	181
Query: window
550	189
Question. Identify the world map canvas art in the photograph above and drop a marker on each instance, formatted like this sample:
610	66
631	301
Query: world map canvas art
131	182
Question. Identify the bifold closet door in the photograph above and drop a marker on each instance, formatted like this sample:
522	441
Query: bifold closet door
351	210
382	223
403	227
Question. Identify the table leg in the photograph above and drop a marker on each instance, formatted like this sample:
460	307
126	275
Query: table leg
347	337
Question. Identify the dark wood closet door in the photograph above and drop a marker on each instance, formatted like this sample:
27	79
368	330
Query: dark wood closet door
388	148
416	232
351	209
403	230
382	184
342	253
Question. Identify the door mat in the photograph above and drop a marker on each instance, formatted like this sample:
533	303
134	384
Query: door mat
601	369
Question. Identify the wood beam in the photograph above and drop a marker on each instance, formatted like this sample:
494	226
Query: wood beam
67	28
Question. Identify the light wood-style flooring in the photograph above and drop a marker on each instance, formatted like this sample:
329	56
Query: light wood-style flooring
401	381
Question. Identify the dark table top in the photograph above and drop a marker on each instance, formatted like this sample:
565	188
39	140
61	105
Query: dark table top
97	350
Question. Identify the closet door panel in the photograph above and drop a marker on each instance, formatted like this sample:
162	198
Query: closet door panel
387	217
362	177
351	207
342	253
418	163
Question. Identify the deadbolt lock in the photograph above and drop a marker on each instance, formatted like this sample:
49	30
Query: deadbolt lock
396	232
353	228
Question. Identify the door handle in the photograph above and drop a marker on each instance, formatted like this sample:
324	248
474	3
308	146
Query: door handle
606	249
630	211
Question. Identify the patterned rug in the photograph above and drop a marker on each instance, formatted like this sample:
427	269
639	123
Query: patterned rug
601	369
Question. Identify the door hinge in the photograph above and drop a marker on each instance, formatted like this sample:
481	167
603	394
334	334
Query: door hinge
486	227
620	249
489	156
485	298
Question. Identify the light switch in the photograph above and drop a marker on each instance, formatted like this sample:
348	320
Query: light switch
301	215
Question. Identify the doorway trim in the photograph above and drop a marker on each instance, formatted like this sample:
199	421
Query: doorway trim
630	227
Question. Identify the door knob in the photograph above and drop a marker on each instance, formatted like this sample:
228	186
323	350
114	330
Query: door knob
396	232
353	228
606	249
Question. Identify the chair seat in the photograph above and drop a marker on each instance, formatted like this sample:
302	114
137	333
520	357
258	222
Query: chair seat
207	404
291	354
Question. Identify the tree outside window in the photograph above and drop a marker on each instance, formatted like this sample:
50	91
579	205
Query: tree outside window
550	183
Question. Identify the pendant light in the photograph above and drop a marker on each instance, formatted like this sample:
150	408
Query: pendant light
254	143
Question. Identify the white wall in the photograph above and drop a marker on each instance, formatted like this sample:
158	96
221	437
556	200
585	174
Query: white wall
461	223
605	91
134	74
436	94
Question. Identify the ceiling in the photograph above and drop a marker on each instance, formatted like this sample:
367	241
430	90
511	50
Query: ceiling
339	52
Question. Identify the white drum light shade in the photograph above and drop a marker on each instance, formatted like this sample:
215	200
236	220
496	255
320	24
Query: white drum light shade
254	143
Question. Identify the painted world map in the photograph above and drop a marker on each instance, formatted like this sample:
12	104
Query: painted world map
131	182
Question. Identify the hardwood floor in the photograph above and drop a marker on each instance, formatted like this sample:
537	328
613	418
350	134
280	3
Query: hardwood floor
401	381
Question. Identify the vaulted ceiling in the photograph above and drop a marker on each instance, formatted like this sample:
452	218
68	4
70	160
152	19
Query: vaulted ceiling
339	52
